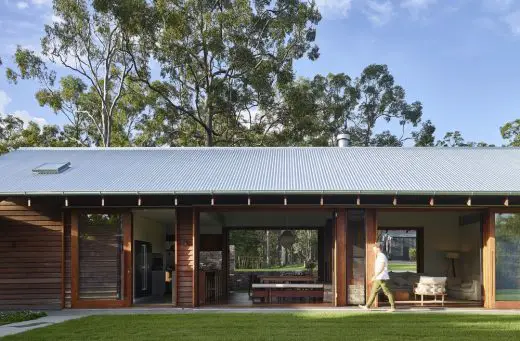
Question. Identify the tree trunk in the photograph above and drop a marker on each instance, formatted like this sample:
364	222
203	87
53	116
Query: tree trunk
209	130
209	138
267	260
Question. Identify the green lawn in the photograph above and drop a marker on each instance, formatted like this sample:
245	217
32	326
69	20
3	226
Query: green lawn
280	268
281	327
402	266
507	295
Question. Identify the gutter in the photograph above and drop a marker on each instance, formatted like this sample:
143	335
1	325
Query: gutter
212	193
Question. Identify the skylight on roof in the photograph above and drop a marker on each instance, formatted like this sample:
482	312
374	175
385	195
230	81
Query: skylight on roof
52	168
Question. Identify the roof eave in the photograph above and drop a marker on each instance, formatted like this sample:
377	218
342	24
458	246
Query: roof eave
270	192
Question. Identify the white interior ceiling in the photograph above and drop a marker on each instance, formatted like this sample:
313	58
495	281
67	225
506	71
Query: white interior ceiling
276	218
214	221
162	216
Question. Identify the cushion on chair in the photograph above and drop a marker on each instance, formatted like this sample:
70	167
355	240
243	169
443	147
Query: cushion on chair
431	286
432	280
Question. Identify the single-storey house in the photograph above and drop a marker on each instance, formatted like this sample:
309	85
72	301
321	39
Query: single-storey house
117	227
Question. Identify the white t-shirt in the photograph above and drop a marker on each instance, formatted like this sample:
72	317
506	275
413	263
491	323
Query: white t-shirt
381	264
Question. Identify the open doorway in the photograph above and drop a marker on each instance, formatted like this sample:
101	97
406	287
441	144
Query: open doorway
439	247
265	257
153	256
271	256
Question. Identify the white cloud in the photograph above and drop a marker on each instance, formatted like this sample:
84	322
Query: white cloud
26	118
22	5
42	2
379	13
50	18
4	101
333	8
513	21
57	19
21	114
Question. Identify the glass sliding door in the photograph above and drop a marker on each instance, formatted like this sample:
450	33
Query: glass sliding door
356	241
507	267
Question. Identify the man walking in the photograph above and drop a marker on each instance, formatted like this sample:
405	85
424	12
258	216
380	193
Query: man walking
380	279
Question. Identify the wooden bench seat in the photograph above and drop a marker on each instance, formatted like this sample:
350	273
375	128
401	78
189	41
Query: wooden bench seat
261	294
266	292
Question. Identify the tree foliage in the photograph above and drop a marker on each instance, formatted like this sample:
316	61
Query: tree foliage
220	59
88	43
511	132
425	137
13	135
214	73
455	139
313	112
10	131
379	98
262	248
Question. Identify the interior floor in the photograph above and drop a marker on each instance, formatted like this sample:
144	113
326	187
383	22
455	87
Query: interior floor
243	300
166	299
437	304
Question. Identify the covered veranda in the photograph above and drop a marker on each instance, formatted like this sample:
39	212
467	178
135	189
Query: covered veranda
268	257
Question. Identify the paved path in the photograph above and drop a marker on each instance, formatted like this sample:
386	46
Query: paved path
52	318
66	315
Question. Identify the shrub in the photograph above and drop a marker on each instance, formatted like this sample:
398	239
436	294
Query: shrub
412	253
20	316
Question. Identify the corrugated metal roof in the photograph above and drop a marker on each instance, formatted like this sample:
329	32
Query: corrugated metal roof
265	170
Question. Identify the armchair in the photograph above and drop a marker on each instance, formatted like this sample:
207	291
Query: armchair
430	286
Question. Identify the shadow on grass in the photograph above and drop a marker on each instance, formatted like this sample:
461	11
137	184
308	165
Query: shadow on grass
283	326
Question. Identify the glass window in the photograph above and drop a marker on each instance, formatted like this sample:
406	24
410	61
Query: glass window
507	237
100	256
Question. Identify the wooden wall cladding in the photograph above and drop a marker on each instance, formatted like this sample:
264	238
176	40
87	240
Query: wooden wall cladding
371	239
67	290
341	258
186	257
31	258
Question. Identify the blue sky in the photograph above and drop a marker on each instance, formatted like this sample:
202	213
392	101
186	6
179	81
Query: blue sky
460	58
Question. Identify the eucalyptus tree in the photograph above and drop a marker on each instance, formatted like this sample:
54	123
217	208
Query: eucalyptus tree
89	44
214	61
511	132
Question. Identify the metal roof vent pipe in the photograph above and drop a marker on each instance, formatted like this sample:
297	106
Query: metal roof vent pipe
343	140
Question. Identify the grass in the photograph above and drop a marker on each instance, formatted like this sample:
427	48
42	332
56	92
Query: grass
275	269
19	316
402	266
507	295
278	327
